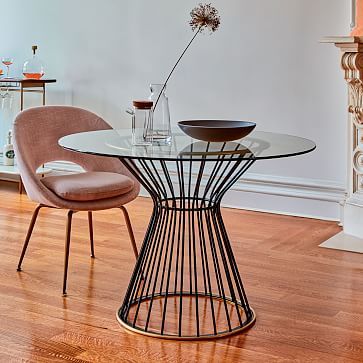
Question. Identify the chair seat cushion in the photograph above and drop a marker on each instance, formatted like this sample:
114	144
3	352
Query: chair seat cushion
88	186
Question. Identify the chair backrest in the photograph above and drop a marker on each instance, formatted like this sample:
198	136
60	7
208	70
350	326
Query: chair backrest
36	134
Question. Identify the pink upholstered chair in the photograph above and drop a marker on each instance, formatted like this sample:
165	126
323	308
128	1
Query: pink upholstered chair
105	184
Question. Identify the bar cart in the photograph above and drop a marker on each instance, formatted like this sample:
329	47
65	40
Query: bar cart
23	86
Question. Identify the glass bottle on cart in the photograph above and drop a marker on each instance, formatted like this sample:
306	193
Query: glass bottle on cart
33	68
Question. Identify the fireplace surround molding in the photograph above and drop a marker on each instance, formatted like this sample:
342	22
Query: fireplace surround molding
352	64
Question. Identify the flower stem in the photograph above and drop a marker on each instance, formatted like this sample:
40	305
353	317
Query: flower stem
176	64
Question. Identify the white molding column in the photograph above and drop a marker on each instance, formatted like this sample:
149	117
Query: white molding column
351	239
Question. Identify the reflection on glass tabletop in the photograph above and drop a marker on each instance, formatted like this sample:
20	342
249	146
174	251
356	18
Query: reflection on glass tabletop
257	145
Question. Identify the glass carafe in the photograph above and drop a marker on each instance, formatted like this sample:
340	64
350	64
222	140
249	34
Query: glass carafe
161	115
33	68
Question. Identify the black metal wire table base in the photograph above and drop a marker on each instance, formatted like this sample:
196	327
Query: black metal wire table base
186	284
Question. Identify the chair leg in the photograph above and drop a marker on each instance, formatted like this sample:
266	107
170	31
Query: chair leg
90	225
131	233
29	234
66	251
21	186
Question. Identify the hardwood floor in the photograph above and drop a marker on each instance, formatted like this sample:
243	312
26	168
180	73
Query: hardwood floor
308	300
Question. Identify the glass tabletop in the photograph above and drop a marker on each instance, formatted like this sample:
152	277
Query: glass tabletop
257	145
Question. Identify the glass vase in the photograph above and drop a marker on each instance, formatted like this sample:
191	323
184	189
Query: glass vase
161	133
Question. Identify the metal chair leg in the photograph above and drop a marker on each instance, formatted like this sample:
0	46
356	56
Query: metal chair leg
21	186
29	234
90	225
131	233
66	251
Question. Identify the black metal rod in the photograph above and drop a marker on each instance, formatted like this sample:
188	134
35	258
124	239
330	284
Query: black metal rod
217	268
208	277
156	268
151	261
137	275
243	296
181	178
169	273
226	266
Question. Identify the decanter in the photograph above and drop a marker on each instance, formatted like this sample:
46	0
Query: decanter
33	68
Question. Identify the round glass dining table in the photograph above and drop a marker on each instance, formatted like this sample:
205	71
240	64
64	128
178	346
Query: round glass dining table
186	283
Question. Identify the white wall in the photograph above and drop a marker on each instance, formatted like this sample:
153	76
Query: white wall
264	64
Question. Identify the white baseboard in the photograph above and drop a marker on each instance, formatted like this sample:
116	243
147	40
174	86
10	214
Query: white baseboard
274	194
291	196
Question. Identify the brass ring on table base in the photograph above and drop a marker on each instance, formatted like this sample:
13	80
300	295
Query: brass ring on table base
129	326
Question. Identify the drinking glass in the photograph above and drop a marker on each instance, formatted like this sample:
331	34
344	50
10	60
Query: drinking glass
7	61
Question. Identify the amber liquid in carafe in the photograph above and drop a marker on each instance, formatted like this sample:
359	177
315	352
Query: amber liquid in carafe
33	75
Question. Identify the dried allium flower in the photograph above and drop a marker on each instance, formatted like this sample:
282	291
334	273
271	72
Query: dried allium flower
205	16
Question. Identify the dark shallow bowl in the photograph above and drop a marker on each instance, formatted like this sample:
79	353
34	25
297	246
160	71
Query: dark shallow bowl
216	130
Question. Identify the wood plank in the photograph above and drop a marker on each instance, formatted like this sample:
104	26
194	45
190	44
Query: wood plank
308	300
